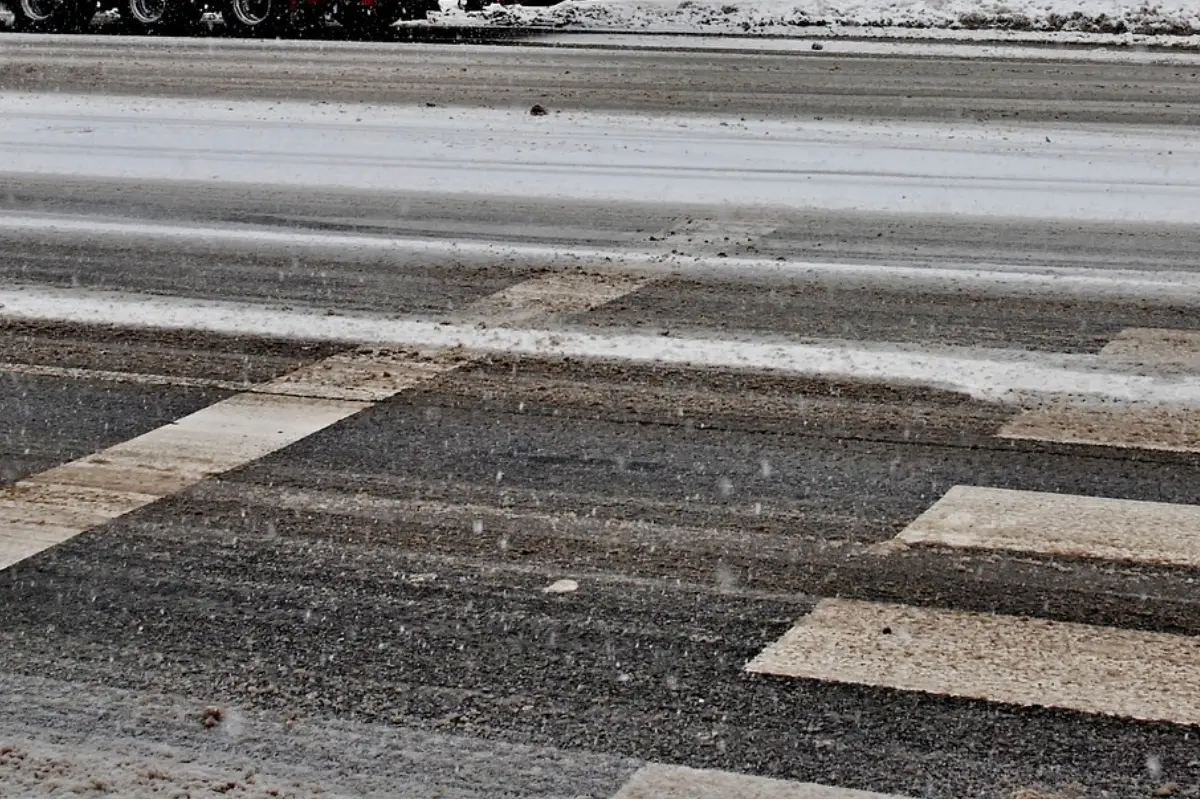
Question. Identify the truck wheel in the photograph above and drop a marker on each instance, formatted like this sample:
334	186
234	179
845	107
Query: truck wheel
255	18
51	16
161	17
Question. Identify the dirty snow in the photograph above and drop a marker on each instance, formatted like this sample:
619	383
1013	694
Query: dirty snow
792	17
1183	50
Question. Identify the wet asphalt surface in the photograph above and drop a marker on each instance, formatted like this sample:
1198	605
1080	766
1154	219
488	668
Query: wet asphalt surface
366	607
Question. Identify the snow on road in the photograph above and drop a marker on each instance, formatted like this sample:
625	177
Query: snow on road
1034	172
791	17
1007	376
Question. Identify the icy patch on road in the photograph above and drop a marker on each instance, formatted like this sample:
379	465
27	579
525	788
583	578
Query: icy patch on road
792	17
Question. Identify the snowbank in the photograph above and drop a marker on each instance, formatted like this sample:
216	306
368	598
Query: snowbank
1175	18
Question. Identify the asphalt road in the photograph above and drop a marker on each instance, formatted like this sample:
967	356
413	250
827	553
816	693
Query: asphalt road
377	607
789	85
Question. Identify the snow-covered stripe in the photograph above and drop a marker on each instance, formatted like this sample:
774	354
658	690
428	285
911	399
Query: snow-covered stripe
987	375
1174	352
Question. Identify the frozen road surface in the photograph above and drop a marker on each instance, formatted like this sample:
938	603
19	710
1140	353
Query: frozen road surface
751	424
967	169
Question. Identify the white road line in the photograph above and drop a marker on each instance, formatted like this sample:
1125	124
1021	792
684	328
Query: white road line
115	376
1160	347
666	781
1061	525
1029	662
987	375
1175	287
552	294
62	502
1171	429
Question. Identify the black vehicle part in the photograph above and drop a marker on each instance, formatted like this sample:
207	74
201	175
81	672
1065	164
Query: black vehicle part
161	17
52	16
260	19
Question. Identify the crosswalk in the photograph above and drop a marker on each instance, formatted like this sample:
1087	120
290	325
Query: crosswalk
1025	661
51	507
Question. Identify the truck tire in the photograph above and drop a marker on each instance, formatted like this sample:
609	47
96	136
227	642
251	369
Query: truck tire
161	17
51	16
259	19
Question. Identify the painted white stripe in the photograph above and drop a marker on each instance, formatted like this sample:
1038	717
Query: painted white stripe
1177	287
62	502
1171	429
347	376
666	781
1161	347
1061	525
1176	430
1030	662
1006	376
114	376
552	295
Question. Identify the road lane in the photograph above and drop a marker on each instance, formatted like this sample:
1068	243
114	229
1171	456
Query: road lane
969	169
392	570
546	570
794	85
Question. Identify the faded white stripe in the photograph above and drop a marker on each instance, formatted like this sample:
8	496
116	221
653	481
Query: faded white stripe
666	781
1061	525
116	376
1029	662
1170	429
1158	347
551	295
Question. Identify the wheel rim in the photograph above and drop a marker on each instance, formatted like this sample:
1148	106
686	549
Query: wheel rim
148	11
251	12
39	10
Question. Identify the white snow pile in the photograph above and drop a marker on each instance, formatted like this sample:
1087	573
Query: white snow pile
1175	18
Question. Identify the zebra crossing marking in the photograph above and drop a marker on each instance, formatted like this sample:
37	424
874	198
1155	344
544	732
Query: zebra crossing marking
1061	525
55	505
1145	427
1018	660
668	781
